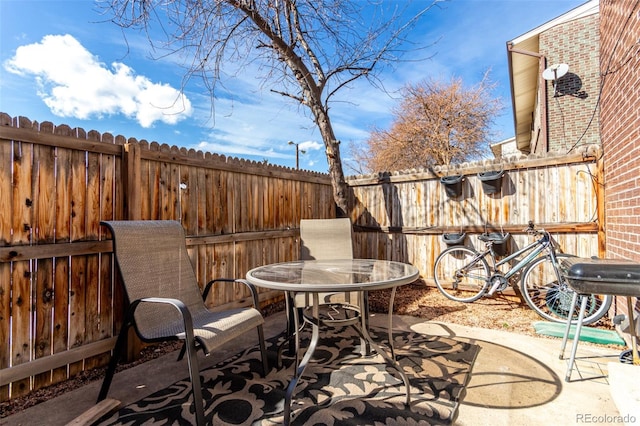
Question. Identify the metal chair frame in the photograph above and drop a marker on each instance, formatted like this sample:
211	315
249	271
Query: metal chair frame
198	327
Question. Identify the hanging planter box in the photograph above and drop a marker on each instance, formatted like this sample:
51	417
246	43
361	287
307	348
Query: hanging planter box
454	238
500	242
452	185
491	181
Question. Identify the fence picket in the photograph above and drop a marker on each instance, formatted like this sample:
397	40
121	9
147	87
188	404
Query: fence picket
6	194
22	273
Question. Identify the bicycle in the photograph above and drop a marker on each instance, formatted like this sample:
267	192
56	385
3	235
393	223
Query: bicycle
463	274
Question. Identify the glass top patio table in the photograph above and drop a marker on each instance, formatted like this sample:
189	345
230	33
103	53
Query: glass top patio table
333	275
321	276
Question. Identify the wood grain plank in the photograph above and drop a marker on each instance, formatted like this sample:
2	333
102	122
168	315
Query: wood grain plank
78	265
77	308
228	195
92	320
107	301
219	202
44	193
22	273
223	266
203	198
60	333
166	204
185	195
154	185
5	324
6	195
147	192
92	290
43	327
256	198
241	204
21	343
44	232
78	207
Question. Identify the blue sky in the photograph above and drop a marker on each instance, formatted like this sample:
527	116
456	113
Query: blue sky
60	62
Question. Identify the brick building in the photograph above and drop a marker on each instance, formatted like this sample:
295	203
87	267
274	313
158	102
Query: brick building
557	114
596	101
620	127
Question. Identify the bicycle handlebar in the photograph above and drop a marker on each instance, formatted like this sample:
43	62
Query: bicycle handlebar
531	229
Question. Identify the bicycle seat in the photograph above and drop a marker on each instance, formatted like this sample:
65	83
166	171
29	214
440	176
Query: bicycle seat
494	237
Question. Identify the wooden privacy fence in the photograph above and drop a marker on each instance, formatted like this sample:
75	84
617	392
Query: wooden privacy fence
60	302
402	216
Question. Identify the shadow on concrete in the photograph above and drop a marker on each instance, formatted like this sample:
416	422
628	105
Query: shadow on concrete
505	378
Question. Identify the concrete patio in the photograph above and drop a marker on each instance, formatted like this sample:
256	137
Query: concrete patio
516	379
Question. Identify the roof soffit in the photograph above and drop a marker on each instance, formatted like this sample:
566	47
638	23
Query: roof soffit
524	70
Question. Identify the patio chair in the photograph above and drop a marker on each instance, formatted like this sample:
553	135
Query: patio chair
325	239
165	300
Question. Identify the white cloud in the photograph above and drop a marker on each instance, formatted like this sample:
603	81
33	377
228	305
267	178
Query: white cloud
310	146
240	150
73	83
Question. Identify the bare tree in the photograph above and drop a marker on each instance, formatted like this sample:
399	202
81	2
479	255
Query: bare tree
308	49
436	123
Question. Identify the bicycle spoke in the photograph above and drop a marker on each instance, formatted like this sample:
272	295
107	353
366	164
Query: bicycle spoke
552	299
460	274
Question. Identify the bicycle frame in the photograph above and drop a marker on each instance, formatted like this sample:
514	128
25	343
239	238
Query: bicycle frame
542	243
535	247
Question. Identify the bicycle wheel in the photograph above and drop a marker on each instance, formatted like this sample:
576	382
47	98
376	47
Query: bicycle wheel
552	299
461	274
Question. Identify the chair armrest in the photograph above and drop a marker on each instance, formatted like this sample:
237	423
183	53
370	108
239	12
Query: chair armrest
210	284
176	303
252	288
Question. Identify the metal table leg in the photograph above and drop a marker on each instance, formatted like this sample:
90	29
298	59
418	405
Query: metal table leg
299	368
390	324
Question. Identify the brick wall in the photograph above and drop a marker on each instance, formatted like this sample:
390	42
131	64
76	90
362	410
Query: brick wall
620	127
572	114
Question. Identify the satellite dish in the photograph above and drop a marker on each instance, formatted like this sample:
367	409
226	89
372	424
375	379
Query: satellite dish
553	73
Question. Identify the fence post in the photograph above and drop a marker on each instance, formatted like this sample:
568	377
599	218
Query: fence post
600	205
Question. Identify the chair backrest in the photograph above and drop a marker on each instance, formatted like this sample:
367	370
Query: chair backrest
326	239
153	262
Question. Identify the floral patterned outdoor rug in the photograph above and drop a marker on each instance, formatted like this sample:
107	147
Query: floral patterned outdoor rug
339	387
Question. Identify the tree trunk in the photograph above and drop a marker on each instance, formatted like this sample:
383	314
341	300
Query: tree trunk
332	147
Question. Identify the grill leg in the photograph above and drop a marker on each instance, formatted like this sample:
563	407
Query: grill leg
574	301
576	337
